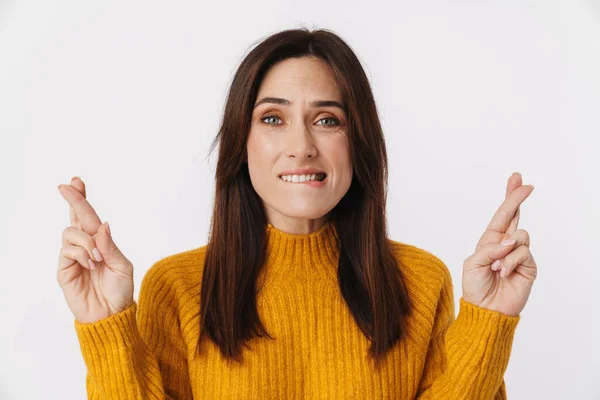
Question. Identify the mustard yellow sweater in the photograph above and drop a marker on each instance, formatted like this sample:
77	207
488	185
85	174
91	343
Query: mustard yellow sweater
147	351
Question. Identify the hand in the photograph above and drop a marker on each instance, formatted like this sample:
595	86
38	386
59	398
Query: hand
96	278
500	277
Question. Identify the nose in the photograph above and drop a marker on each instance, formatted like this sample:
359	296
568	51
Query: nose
300	143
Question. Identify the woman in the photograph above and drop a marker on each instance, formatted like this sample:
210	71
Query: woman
298	292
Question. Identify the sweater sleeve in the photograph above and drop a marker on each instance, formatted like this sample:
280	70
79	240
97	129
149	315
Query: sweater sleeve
143	358
467	356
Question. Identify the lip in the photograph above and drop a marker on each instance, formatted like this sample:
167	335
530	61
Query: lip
303	171
315	184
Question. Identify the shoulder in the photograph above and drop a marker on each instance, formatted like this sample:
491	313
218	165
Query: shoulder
176	273
421	267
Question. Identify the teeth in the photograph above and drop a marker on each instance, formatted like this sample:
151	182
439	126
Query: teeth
303	178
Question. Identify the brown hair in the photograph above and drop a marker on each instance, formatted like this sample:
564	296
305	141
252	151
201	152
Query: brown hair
369	277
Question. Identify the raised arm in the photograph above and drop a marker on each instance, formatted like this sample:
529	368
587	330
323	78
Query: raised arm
467	355
130	352
138	358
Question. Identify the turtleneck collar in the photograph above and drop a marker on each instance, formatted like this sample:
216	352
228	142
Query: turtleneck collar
314	254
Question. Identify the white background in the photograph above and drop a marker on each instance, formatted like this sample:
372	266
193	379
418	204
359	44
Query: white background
128	95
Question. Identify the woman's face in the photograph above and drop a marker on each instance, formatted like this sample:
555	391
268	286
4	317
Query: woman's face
291	131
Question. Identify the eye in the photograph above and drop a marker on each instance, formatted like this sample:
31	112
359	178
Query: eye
269	116
337	121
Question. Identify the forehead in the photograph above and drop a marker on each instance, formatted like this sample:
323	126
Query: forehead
297	76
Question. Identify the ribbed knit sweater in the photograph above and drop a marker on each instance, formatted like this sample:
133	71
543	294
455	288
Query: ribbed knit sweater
147	351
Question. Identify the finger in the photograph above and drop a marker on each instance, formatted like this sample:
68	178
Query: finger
514	182
86	214
519	256
71	253
489	253
521	236
522	239
77	237
514	223
78	184
506	212
113	257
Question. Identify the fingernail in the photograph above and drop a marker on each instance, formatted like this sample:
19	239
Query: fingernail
532	187
503	272
495	265
517	173
508	242
107	228
91	264
97	254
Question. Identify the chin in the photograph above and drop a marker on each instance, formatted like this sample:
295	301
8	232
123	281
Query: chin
303	214
301	211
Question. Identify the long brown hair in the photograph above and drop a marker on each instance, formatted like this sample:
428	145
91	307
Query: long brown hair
369	277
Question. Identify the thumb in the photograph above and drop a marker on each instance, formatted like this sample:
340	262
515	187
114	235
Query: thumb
490	253
112	255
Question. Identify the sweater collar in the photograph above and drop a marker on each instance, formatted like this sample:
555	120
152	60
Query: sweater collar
315	253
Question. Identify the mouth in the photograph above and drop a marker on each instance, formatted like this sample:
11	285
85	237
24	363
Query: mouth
303	178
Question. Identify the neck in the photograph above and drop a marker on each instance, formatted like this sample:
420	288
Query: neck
298	256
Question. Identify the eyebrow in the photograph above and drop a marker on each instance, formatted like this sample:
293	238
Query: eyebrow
286	102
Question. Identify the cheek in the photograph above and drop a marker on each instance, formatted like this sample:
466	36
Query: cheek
338	154
260	150
260	157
